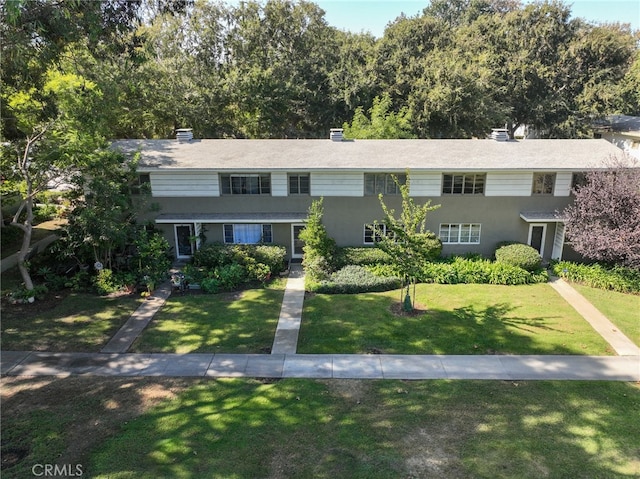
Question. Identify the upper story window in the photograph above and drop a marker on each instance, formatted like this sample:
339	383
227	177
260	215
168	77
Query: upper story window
142	184
543	183
376	183
463	184
245	184
299	184
578	180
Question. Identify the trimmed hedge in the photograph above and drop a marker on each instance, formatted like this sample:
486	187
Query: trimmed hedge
354	279
215	255
459	270
521	255
360	257
218	266
618	278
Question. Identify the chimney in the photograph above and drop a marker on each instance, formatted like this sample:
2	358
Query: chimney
184	134
500	134
336	134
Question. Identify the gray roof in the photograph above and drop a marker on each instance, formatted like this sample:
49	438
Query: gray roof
387	155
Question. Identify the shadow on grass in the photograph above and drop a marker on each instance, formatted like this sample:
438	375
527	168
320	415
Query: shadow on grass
381	429
65	322
356	324
222	323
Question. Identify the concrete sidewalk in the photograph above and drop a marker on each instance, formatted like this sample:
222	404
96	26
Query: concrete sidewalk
343	366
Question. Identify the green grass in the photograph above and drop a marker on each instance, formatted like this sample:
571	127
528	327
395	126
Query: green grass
622	309
77	322
381	429
223	323
459	319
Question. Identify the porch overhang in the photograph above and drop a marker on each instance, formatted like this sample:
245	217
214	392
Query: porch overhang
172	218
543	217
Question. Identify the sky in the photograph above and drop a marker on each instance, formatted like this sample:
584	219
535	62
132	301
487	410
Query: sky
373	15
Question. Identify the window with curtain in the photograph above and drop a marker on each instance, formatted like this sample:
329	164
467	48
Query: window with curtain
248	233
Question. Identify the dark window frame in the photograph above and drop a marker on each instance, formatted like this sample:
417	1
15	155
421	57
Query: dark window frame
299	184
543	184
240	184
463	183
383	183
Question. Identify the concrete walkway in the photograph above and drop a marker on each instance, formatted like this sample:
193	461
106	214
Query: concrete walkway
127	334
286	337
283	362
620	343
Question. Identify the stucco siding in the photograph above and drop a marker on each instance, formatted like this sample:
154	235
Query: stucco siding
184	184
337	184
508	184
425	184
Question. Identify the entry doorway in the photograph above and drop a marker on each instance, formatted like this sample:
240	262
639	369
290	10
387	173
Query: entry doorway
296	243
184	243
537	236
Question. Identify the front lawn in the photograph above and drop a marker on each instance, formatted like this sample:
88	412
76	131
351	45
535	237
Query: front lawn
380	429
64	321
242	322
458	319
622	309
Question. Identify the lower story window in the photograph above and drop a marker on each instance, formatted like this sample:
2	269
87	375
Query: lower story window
460	233
248	233
374	233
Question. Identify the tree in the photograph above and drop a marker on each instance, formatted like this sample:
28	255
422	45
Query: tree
603	223
406	238
319	248
56	143
381	124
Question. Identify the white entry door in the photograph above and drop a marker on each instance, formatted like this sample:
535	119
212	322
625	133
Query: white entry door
537	236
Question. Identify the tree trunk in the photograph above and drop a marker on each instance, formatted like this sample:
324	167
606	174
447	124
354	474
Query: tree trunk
27	228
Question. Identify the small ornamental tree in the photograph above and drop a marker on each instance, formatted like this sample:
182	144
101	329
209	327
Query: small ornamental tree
603	223
319	248
407	240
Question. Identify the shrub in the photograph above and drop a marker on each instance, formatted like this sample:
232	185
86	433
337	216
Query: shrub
231	276
105	282
215	255
360	257
617	278
210	285
273	256
521	255
356	279
477	270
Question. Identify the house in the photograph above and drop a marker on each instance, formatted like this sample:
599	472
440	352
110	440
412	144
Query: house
249	191
621	130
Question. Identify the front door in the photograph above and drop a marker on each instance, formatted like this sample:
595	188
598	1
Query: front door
184	243
296	242
537	236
